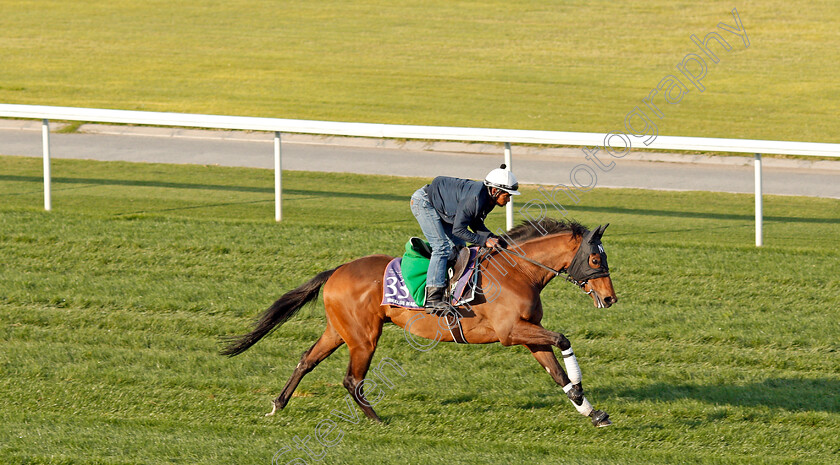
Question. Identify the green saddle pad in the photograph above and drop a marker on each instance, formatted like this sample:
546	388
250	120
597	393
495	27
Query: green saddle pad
415	267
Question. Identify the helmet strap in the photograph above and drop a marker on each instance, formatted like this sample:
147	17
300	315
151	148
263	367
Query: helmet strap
496	195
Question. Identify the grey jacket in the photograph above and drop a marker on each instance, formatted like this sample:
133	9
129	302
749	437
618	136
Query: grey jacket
462	203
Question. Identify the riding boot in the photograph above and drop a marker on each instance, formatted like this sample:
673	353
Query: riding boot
434	298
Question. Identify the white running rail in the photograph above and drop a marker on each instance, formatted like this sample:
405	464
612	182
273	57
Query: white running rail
401	131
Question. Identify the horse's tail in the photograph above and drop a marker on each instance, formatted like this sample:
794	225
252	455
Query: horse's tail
284	308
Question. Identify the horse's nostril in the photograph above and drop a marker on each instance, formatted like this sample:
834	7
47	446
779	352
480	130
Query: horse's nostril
609	300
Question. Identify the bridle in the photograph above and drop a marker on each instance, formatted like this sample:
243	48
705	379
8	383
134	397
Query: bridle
564	272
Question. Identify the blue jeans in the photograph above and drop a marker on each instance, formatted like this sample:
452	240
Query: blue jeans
439	235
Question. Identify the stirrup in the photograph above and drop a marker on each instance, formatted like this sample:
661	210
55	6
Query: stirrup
440	309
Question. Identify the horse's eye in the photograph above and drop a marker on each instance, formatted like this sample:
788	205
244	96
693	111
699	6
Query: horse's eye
596	262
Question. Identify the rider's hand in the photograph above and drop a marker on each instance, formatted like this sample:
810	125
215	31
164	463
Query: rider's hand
492	242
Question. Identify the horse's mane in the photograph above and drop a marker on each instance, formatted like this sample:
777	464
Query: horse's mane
528	230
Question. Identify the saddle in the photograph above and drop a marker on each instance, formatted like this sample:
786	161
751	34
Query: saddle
405	277
404	281
456	264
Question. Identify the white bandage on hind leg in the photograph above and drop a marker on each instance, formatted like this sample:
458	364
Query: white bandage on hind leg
585	408
572	367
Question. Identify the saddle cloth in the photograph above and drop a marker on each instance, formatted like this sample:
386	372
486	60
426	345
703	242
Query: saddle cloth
396	293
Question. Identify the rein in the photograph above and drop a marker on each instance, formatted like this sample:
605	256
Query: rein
561	272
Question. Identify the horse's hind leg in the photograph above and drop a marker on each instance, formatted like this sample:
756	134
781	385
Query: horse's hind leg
545	355
326	345
360	358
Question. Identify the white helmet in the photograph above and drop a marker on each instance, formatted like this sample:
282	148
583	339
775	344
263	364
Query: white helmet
503	179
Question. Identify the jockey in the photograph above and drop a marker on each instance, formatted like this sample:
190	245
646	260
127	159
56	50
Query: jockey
446	208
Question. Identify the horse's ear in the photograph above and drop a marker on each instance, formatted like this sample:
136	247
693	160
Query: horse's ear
599	231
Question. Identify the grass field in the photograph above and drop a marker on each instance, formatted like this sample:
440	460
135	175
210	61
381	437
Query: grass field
568	66
111	306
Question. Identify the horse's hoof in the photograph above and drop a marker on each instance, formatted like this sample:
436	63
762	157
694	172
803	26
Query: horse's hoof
600	418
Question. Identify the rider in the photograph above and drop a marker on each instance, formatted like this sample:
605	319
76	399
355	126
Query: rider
446	207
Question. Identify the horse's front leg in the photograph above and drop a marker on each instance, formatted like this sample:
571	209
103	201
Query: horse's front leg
530	334
545	355
540	341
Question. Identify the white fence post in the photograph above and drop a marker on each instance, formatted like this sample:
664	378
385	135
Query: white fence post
45	137
509	207
278	176
759	208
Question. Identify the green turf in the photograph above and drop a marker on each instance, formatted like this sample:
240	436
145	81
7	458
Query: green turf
567	66
111	306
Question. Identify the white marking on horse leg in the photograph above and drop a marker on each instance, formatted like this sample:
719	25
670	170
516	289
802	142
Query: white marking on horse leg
548	370
273	409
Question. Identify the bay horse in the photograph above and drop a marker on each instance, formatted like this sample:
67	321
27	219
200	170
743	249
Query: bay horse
508	310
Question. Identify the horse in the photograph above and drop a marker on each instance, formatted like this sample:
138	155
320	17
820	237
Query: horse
507	309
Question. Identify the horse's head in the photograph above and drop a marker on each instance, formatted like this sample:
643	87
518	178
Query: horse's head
590	271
